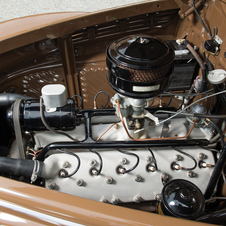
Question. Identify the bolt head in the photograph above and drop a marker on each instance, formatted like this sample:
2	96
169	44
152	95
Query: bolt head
103	200
93	162
178	157
158	197
123	161
191	174
165	176
115	201
65	164
80	182
137	199
109	180
149	159
202	156
137	178
52	185
116	126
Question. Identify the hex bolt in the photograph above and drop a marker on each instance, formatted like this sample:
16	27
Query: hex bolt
109	180
137	199
137	178
103	200
123	161
130	123
65	164
165	176
80	182
117	126
149	159
191	174
158	197
52	185
178	157
93	162
115	201
202	156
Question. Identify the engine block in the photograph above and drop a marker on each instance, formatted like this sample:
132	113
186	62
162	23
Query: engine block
145	182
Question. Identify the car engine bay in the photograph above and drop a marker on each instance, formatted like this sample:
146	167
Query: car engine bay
154	142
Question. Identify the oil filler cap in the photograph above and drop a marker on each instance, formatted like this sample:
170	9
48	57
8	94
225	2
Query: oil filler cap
217	76
183	199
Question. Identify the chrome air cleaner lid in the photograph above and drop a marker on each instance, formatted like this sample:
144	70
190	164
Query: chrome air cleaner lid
139	66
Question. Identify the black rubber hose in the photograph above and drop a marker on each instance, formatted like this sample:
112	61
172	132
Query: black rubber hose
18	167
217	217
219	132
216	174
6	99
209	116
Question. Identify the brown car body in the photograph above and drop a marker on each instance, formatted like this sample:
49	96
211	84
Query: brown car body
77	54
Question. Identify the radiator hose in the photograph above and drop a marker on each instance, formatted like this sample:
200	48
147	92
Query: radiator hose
21	167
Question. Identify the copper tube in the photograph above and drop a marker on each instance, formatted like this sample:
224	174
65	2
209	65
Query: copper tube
148	139
105	131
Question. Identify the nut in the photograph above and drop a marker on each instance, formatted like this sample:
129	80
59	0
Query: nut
202	156
109	180
65	164
149	159
80	182
158	197
115	201
123	161
137	199
191	174
93	162
52	185
137	178
178	157
165	176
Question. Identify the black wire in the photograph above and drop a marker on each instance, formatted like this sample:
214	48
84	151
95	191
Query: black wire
171	97
77	103
152	102
200	19
48	127
101	161
219	132
191	157
106	95
154	160
181	104
210	149
79	162
209	64
129	153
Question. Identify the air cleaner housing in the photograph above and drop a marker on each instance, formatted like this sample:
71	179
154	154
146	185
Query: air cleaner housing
139	66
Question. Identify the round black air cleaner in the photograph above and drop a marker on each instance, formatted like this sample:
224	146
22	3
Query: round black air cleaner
183	199
139	66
